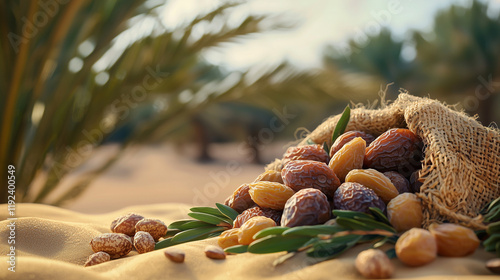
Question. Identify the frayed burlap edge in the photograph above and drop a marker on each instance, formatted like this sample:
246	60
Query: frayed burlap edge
461	167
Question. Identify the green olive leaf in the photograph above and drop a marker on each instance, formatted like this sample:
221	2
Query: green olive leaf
326	148
270	231
211	219
178	224
312	230
208	210
352	224
275	243
227	211
237	249
341	124
379	215
351	214
192	234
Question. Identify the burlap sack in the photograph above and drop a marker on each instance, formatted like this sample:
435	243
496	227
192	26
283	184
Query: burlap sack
461	167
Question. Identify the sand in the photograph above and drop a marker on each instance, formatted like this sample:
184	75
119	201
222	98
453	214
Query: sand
53	243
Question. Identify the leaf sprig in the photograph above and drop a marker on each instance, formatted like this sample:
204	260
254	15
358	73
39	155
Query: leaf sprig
208	222
491	214
322	242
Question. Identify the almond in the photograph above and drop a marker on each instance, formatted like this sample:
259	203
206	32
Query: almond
97	258
126	224
155	227
143	242
215	252
115	244
174	254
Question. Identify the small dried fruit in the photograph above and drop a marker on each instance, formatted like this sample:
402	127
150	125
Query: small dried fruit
270	194
349	157
396	149
247	215
175	254
251	227
240	200
154	227
399	181
347	137
228	238
143	242
306	207
301	174
126	224
275	215
356	197
416	247
214	252
115	244
374	180
374	264
405	212
494	265
307	152
97	258
271	176
454	240
415	181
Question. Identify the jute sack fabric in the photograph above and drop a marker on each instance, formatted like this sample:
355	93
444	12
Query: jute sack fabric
461	166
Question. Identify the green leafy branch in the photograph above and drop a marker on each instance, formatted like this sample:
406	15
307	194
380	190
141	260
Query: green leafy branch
323	242
207	222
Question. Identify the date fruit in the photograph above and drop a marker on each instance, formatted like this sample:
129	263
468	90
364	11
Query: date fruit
271	176
301	174
306	207
454	240
307	152
240	200
347	137
115	244
374	180
270	194
405	212
97	258
397	149
399	181
228	238
416	247
349	157
356	197
374	264
415	181
251	227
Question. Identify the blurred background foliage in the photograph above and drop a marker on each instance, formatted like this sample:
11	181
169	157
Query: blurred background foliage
69	89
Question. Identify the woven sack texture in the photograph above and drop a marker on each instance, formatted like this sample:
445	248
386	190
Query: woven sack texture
461	167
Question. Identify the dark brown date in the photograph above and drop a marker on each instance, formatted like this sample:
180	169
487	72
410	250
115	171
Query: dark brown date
307	152
301	174
396	149
306	207
356	197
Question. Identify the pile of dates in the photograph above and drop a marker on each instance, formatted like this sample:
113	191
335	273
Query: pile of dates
360	171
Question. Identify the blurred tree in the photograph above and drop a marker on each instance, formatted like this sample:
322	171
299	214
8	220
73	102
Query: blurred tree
462	56
71	82
379	56
59	107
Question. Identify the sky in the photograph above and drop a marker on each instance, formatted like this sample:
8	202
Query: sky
319	22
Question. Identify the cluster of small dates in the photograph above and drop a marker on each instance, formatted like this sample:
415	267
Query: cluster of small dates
359	172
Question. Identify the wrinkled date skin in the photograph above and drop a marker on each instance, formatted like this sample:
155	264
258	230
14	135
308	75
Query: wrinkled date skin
399	181
306	152
396	149
306	207
356	197
275	215
240	200
347	137
301	174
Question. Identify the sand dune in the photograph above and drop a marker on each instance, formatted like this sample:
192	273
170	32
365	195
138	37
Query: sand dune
53	243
